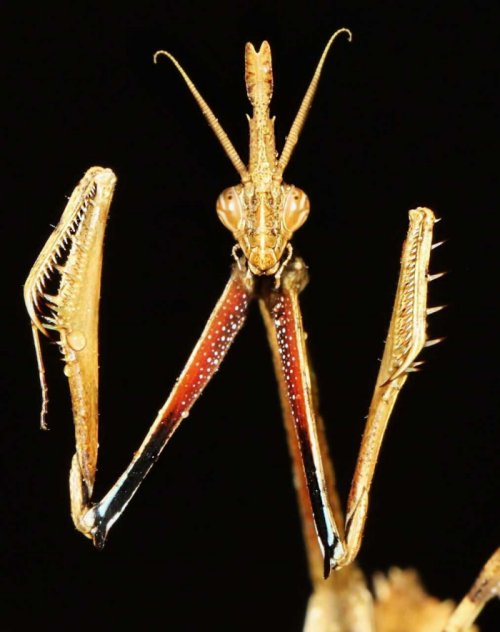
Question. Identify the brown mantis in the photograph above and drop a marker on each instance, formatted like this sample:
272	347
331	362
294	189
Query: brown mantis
262	212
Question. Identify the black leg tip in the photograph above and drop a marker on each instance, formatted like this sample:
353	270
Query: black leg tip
327	568
99	536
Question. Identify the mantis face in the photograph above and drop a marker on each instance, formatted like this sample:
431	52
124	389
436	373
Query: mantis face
263	222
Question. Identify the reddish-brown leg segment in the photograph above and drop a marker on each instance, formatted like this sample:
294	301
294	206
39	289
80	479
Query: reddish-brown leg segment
344	596
285	331
223	325
405	339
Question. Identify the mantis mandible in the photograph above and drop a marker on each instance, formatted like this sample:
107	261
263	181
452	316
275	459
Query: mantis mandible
262	211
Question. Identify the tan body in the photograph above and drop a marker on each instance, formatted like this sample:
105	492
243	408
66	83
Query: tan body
262	212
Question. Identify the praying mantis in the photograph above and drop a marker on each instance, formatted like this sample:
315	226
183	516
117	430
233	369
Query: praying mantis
262	212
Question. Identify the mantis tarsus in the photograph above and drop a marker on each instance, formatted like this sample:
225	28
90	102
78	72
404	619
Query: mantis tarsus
262	212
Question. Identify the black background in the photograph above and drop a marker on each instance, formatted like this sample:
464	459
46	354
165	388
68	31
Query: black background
406	115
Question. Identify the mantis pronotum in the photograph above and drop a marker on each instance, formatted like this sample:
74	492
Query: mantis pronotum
262	212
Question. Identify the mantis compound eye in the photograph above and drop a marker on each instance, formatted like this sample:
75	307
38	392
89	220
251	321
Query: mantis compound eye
229	209
295	209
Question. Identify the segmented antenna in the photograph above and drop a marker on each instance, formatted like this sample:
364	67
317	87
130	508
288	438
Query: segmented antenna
293	135
227	145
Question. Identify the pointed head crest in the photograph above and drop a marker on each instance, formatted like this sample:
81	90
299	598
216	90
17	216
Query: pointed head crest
259	74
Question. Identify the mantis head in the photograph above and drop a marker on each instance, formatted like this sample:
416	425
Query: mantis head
262	211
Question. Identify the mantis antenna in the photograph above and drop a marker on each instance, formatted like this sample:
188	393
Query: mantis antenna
227	145
300	118
295	130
